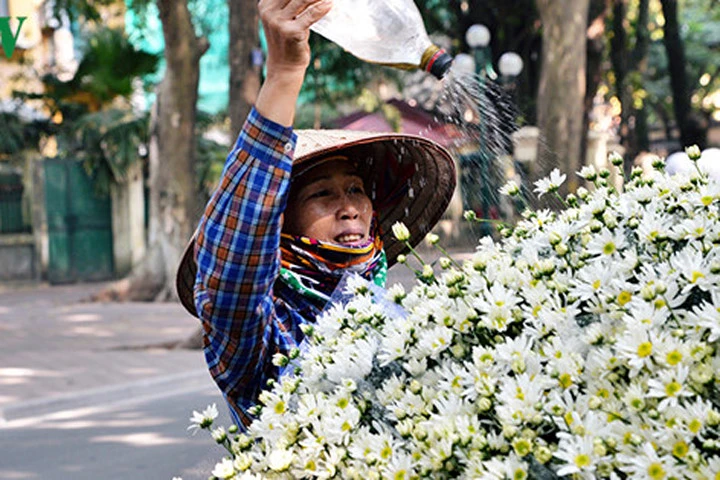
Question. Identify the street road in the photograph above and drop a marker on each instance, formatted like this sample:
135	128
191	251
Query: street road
147	440
128	439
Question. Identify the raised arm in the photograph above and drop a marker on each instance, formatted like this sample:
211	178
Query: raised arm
287	30
237	249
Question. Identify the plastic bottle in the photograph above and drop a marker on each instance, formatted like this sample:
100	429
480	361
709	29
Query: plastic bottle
388	32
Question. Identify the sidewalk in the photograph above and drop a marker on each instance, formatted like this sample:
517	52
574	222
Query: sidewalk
58	352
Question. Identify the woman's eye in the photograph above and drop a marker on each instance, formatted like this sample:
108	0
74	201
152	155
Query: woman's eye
357	189
319	193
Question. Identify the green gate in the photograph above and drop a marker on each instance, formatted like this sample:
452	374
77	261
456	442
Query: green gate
79	225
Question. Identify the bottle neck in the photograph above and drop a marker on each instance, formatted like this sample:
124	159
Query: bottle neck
436	61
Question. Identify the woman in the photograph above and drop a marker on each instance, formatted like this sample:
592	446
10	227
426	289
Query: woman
293	212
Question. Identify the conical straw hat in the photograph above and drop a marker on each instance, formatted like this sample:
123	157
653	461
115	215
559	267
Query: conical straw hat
409	179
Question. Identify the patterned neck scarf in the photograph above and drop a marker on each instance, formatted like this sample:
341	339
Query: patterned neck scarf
313	268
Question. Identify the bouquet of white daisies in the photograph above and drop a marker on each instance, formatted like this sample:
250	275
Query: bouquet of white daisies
585	344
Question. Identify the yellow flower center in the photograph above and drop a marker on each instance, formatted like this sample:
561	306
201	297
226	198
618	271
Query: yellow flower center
656	471
695	425
582	460
565	380
706	200
386	452
659	303
609	248
696	276
674	357
624	298
400	475
680	449
519	474
596	284
672	388
644	349
280	407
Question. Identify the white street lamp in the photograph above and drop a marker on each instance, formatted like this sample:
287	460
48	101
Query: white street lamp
464	64
510	64
477	36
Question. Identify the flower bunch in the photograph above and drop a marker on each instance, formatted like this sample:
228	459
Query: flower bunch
585	344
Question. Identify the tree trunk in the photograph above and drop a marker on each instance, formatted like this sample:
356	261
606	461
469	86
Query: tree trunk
244	75
174	200
562	86
595	53
641	138
676	63
619	58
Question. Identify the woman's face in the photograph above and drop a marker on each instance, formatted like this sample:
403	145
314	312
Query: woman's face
329	203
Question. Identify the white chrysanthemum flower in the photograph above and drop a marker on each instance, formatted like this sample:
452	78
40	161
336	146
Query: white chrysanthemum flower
670	387
224	469
587	338
692	265
550	183
606	243
706	315
280	459
511	188
578	455
646	463
203	419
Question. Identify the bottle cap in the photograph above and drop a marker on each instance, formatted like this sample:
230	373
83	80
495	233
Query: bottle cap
436	61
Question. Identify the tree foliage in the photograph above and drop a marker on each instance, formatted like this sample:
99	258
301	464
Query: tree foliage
90	113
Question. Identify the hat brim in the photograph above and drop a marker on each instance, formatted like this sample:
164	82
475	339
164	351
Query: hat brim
409	179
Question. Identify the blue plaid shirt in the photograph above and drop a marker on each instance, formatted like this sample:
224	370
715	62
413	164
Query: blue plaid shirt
245	320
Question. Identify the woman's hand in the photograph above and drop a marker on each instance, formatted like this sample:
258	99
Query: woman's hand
287	29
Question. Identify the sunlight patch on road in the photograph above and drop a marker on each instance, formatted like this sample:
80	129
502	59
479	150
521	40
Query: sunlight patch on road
148	439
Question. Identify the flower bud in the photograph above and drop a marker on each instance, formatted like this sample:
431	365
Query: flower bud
693	152
543	454
484	404
401	259
615	158
401	232
427	272
713	418
658	164
280	360
219	435
470	215
432	239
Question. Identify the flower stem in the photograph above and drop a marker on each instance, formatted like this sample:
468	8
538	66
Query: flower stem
415	254
444	252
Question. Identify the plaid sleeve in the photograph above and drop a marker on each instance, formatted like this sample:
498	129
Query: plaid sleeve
237	253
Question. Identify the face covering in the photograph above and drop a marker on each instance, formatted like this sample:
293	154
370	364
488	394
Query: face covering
313	268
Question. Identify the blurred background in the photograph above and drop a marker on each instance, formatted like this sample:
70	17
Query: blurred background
115	120
117	115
